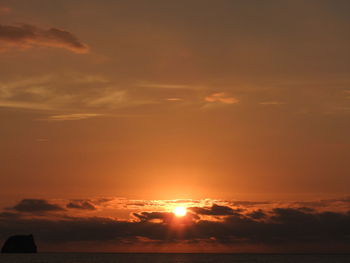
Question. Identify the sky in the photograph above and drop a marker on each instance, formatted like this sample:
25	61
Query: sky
112	111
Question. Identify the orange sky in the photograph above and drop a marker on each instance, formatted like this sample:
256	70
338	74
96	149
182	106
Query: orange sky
145	100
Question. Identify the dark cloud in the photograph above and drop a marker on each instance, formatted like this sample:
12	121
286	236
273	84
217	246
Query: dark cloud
164	217
29	36
7	215
325	202
81	204
215	210
136	204
257	214
283	229
36	206
149	216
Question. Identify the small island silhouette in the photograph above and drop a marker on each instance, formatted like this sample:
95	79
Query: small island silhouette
19	244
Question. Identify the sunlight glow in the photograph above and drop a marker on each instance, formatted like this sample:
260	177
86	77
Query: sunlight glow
180	211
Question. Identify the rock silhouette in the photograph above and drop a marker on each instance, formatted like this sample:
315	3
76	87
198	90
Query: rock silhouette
19	244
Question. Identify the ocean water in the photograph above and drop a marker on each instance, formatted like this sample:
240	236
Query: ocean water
169	258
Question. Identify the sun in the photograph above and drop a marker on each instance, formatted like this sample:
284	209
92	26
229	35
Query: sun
180	211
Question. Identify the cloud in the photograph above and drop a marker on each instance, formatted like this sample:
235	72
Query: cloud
149	216
63	93
9	215
110	98
257	214
174	99
164	217
222	98
36	206
277	226
81	204
24	105
27	36
283	229
272	103
163	86
340	204
215	210
73	116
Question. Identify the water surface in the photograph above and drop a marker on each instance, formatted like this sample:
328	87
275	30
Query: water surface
169	258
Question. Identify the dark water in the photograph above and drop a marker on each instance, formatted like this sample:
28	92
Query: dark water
169	258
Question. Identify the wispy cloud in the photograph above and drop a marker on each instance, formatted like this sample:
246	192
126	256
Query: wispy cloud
24	105
81	96
62	92
73	116
221	97
110	98
272	103
27	36
174	99
162	85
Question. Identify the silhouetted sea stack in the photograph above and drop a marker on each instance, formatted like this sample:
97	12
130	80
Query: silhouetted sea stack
19	244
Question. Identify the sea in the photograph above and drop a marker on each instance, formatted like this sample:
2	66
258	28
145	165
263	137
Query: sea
171	258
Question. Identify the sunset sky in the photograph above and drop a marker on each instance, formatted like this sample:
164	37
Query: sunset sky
114	112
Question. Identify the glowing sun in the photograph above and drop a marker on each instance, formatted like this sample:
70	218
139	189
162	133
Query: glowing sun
180	211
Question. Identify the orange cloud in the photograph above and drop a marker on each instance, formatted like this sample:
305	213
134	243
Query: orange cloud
26	36
174	99
73	116
221	97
